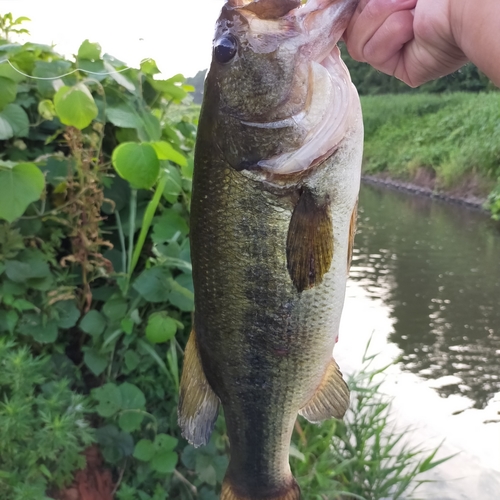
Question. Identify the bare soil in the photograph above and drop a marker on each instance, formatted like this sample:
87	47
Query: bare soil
92	483
471	190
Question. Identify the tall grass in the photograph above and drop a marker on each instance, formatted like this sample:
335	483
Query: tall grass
452	135
362	457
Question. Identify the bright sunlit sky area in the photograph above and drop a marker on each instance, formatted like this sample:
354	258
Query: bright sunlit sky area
177	34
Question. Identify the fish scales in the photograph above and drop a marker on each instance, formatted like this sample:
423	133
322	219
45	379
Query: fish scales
263	334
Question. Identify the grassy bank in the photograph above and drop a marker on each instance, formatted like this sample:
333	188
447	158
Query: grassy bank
451	142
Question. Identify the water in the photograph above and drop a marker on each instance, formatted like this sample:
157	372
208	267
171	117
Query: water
425	287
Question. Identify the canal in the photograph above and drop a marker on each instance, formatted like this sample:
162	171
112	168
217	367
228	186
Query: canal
425	288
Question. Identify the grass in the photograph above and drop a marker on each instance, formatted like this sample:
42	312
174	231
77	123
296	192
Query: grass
361	457
454	136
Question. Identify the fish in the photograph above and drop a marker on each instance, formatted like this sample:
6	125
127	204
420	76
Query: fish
272	222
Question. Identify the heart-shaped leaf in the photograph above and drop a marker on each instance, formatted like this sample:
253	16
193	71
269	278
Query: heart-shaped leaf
75	106
20	185
160	328
137	164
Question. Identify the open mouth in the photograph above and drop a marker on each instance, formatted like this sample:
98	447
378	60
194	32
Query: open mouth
325	120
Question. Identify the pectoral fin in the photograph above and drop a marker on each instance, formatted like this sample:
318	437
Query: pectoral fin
309	248
198	405
331	398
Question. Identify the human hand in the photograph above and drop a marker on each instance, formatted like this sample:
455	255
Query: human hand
412	40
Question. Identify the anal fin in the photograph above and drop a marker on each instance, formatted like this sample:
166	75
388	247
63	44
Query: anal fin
198	404
331	398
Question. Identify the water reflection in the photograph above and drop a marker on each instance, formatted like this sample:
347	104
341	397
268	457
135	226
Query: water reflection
437	268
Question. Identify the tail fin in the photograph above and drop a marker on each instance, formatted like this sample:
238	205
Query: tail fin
291	492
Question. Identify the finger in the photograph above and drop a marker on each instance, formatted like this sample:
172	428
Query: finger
367	21
385	47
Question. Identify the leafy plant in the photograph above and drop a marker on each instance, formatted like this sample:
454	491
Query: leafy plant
453	137
94	262
493	202
43	426
10	25
363	456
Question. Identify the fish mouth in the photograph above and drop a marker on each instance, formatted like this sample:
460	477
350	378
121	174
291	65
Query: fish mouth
327	116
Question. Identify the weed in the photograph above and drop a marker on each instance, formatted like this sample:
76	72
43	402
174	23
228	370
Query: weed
457	135
363	456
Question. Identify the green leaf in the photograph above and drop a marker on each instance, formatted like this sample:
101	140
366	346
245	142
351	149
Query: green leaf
205	469
149	349
8	321
15	117
188	456
75	106
170	90
170	226
21	304
137	164
8	91
149	67
30	264
187	171
46	109
109	398
6	130
294	452
132	397
153	284
132	360
182	294
52	69
151	127
93	323
57	169
173	186
144	450
90	51
7	71
160	328
95	361
164	462
39	327
119	78
164	442
19	186
178	78
114	443
115	308
207	494
127	325
124	116
130	421
165	151
172	134
96	68
68	313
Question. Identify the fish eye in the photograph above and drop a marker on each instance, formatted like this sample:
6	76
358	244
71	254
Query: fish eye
225	48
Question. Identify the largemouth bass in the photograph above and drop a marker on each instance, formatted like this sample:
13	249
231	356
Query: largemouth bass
275	187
